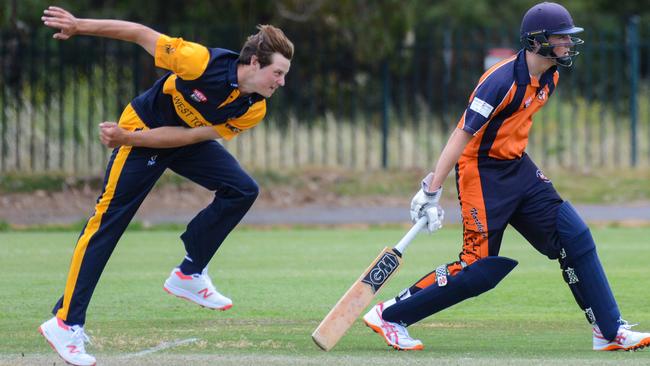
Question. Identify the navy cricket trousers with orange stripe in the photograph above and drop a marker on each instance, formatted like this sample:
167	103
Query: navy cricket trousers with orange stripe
494	193
130	175
511	192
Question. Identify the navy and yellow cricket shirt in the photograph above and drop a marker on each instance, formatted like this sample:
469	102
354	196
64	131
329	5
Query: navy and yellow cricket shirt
200	90
501	108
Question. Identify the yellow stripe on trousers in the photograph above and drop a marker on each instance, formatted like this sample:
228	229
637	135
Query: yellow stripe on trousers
91	228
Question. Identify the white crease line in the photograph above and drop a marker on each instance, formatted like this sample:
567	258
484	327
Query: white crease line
162	346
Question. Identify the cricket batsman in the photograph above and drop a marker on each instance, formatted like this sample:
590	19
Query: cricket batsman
208	93
498	184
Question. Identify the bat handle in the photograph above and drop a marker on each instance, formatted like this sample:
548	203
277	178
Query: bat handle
406	240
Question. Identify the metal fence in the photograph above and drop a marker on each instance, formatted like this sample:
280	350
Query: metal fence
335	110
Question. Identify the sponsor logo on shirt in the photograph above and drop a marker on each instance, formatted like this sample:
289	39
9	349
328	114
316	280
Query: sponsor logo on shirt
541	95
169	49
481	107
198	96
187	113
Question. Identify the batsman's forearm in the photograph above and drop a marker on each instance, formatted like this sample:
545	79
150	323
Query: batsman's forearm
121	30
449	156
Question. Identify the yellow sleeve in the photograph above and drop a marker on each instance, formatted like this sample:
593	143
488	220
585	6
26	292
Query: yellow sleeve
249	120
186	59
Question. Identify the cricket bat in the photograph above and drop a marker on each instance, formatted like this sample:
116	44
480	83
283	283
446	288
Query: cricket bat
361	293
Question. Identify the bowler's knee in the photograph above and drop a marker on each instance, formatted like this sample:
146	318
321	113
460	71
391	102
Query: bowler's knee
252	189
248	189
242	191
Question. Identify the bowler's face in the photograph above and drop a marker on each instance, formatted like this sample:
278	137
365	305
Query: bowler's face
270	77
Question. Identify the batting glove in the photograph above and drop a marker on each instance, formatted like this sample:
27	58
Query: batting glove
426	204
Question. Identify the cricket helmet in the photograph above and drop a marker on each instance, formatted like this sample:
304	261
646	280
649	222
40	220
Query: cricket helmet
546	19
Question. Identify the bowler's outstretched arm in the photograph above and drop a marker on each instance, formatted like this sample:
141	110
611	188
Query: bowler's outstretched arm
68	26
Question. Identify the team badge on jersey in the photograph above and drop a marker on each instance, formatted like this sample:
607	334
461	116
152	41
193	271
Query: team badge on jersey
198	96
527	102
541	176
169	49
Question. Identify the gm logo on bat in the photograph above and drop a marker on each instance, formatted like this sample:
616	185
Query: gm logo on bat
381	271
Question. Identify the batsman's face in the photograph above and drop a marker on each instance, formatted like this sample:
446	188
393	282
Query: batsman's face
270	77
561	44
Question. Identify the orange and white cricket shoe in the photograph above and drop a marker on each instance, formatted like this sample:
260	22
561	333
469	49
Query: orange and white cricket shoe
67	341
394	334
626	339
197	288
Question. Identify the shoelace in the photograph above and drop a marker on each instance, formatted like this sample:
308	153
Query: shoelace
621	323
394	329
80	337
392	333
206	278
397	330
626	325
401	330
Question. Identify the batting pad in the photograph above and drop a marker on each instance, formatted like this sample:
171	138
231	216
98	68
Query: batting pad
584	272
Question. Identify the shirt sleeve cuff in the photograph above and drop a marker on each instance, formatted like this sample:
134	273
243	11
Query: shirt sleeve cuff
468	129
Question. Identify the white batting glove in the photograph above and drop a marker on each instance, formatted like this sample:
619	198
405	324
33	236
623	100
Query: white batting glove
426	203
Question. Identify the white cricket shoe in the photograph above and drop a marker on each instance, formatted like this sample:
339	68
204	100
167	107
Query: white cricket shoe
67	341
394	334
626	339
197	288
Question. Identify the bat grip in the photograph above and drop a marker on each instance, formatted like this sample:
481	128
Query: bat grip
406	240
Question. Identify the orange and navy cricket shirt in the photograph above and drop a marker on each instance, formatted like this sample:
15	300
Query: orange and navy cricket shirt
501	107
200	90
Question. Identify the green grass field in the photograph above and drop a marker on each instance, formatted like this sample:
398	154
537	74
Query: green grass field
284	281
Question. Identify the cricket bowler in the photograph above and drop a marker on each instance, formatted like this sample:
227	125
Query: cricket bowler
498	184
208	93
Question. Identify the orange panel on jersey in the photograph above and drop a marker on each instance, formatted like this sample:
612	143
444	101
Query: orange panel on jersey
512	137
